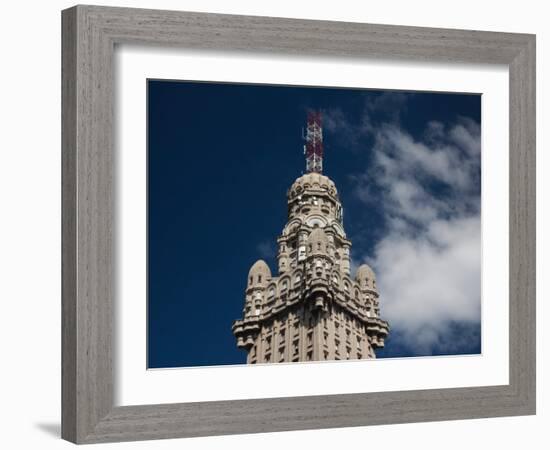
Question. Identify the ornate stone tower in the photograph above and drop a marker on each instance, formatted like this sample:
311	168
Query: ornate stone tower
313	310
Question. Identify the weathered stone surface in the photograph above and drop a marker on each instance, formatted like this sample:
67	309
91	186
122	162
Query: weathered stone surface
313	310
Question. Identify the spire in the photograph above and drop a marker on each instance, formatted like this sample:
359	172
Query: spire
283	310
313	148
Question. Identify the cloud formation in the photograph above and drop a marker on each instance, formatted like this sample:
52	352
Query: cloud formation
428	261
430	280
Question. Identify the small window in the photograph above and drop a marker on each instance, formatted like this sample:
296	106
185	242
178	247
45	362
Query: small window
259	278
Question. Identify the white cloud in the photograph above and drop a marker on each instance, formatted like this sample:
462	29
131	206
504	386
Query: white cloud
386	107
428	264
397	154
430	280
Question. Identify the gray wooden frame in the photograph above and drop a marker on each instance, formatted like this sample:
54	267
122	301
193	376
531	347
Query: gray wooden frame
89	36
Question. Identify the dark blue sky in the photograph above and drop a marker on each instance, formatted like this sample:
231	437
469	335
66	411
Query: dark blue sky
220	159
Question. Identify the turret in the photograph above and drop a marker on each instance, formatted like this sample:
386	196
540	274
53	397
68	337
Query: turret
258	278
259	274
366	278
311	309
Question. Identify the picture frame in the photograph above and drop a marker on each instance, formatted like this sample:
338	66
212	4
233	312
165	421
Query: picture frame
89	37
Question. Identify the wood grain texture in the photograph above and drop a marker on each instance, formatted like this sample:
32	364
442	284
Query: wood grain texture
89	36
68	225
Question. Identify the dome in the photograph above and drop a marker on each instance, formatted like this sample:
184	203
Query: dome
312	181
365	276
259	273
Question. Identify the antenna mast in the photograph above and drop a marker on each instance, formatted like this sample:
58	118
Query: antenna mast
313	148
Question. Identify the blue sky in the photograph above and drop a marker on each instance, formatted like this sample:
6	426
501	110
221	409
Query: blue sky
221	157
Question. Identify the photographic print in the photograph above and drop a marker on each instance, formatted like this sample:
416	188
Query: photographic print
295	224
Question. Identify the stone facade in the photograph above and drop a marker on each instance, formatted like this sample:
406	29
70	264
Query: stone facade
313	310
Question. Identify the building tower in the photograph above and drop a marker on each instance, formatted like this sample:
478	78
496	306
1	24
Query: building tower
313	310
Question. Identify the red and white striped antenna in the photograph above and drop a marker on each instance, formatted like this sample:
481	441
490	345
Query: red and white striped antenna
313	148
